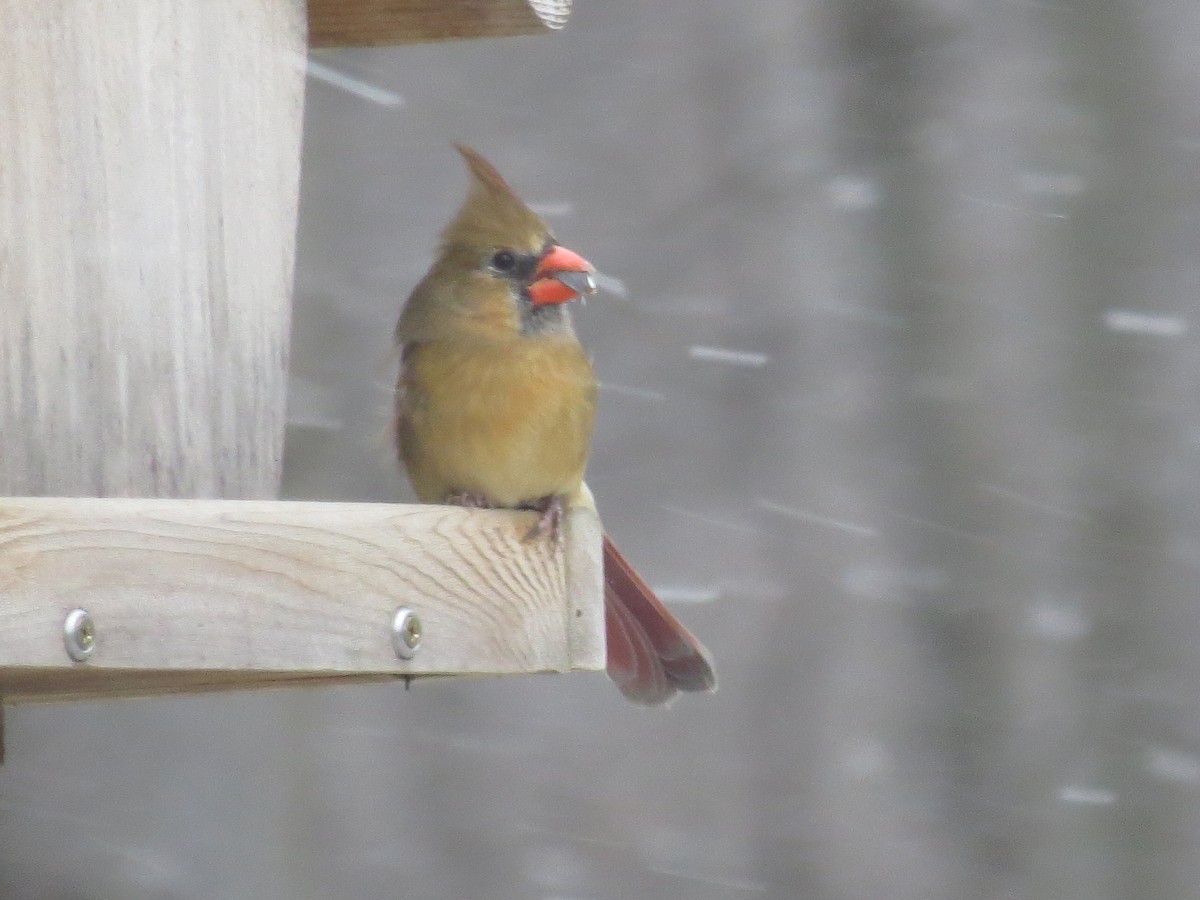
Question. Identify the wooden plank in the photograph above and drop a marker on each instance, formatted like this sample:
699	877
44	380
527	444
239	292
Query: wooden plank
85	683
215	594
149	170
359	23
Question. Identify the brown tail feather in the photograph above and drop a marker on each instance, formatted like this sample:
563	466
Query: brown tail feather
651	656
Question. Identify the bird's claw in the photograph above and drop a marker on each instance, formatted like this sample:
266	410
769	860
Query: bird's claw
550	520
471	501
551	510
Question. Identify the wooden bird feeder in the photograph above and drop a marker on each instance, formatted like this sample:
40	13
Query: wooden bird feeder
149	174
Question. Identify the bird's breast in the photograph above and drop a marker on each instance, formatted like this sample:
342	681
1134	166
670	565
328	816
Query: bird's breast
511	421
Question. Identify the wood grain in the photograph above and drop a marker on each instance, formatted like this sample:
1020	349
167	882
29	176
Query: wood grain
201	595
357	23
149	169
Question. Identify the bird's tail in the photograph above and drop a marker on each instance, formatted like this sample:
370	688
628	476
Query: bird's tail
651	656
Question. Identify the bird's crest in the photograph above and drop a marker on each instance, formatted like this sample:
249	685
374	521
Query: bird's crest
493	215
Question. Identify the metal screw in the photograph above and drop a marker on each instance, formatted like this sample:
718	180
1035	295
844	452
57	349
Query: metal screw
406	632
79	635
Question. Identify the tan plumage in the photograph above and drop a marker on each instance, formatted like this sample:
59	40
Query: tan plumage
509	420
496	402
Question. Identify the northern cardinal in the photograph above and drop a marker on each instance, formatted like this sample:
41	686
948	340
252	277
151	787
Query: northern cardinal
495	405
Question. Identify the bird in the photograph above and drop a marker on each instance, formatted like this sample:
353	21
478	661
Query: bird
496	402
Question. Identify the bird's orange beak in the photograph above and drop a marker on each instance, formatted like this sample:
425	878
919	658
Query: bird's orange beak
562	275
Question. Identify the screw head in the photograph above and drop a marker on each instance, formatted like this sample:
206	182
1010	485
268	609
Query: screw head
79	635
406	632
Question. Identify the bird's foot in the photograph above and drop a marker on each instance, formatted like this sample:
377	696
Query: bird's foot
549	522
471	501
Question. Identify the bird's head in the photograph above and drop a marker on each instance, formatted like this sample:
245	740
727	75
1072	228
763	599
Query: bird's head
508	268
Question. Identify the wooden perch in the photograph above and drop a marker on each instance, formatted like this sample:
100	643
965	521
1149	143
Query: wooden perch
358	23
147	227
200	595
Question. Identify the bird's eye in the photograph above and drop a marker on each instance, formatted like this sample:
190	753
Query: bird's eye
504	261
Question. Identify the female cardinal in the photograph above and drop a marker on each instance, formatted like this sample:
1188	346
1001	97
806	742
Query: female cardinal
496	401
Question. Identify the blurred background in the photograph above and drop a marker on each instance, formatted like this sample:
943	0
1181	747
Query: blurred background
899	411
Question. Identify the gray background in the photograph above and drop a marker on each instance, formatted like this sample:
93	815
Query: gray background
900	409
